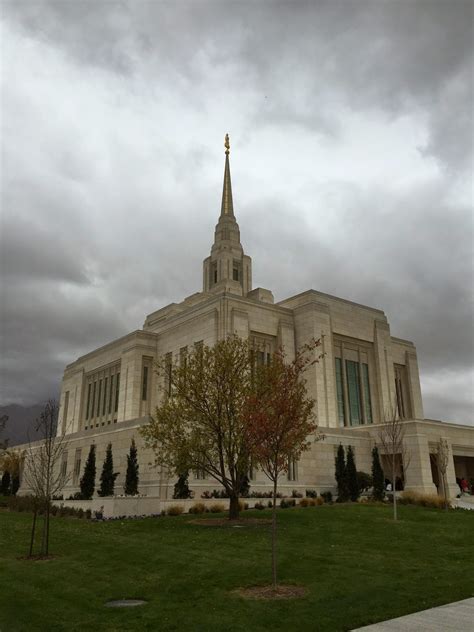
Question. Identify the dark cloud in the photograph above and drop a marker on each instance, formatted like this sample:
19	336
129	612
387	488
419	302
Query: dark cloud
351	175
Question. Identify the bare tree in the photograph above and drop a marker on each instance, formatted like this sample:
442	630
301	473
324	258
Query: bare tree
3	423
42	472
442	454
394	449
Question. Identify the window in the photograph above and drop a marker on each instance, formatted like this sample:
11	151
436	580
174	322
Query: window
353	389
340	392
292	469
99	398
168	373
235	274
145	384
200	474
88	409
66	406
99	395
104	405
117	391
401	391
352	364
64	467
77	466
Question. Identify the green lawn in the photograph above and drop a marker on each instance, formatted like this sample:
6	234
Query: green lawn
358	565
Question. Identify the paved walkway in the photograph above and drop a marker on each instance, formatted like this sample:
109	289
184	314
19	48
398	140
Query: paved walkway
453	617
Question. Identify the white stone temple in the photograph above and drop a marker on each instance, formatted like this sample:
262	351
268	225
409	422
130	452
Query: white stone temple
110	392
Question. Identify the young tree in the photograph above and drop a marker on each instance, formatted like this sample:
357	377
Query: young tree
132	475
341	475
10	463
377	476
42	471
351	476
442	454
392	441
5	484
279	420
108	476
199	423
3	423
181	488
87	482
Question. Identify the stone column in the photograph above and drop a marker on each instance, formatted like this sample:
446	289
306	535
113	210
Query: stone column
418	475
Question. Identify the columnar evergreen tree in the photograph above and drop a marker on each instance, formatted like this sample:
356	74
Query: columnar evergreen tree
5	484
181	488
88	478
132	476
351	476
377	476
107	477
341	479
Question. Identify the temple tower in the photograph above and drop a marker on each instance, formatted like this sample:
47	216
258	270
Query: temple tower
227	269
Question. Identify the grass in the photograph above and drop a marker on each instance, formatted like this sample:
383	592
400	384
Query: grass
358	565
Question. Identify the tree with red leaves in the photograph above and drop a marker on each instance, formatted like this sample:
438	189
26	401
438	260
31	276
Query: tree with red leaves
279	419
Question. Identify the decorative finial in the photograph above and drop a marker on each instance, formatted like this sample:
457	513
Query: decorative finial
227	144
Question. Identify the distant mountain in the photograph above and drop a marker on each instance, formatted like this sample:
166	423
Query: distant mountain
21	422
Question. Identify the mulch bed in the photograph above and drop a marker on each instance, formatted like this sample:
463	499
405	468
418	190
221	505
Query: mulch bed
225	522
37	558
269	593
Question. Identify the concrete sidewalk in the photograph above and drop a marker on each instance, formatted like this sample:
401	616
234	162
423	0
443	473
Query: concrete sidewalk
453	617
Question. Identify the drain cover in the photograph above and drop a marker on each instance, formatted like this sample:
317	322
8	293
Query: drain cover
125	603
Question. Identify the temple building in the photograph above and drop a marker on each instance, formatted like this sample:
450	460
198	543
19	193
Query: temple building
365	373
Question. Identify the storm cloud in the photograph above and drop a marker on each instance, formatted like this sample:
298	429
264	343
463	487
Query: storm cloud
351	155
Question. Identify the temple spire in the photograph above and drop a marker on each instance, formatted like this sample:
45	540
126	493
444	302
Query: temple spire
227	207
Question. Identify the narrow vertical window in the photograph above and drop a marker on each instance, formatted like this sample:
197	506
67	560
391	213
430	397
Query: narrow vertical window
168	370
117	391
64	467
340	392
104	405
88	407
65	410
77	466
366	383
111	393
99	398
94	389
352	369
292	469
145	384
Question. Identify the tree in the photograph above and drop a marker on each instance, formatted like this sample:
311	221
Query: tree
377	476
351	476
364	481
392	441
108	476
132	475
3	423
279	420
10	463
442	454
5	484
199	424
42	472
341	477
181	488
87	482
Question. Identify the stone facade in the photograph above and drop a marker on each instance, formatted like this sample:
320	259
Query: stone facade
364	375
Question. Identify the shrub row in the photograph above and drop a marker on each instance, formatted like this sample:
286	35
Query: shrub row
423	500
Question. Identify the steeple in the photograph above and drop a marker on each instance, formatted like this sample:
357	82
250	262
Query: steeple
227	206
228	269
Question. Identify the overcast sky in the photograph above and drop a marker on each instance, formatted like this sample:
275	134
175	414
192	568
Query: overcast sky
351	156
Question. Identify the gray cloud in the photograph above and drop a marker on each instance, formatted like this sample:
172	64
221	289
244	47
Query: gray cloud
351	164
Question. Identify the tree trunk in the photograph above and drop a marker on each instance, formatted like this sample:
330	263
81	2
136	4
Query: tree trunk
33	529
234	508
274	561
47	527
